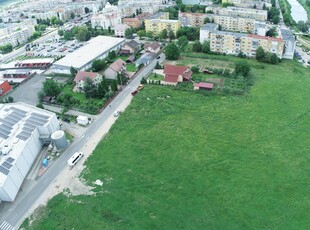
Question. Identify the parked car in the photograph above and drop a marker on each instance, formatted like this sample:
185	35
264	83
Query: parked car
140	87
117	113
66	120
134	92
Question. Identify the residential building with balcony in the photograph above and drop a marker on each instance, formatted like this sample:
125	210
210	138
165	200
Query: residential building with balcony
289	43
159	22
191	19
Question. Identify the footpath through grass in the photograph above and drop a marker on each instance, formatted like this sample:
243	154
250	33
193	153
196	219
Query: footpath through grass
182	160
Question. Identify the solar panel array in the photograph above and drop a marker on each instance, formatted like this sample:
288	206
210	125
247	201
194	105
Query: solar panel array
31	123
6	166
10	120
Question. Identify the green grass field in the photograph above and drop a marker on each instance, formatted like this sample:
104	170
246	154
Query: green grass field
182	160
131	67
158	77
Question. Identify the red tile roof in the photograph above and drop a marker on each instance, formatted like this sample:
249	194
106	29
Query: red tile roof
171	78
4	87
264	37
174	70
117	65
204	85
82	75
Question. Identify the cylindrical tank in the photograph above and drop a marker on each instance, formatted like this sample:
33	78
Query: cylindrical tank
59	139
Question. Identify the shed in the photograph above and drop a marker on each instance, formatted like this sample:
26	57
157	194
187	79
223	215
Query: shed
203	85
82	120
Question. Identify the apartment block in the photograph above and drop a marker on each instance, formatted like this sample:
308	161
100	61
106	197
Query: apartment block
191	19
259	15
17	35
289	43
128	8
233	23
234	43
248	3
159	22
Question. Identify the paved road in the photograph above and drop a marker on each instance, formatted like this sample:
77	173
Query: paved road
15	212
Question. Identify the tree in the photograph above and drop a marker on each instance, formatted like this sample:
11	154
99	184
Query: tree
276	19
182	41
86	9
242	68
111	55
141	33
274	59
109	29
197	47
164	34
103	88
51	88
61	33
41	96
171	35
264	6
271	32
83	34
302	26
149	34
172	52
73	72
206	47
206	20
195	69
68	35
72	15
114	85
6	48
98	65
260	54
128	33
89	88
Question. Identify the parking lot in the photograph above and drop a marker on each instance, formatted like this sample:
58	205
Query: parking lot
54	48
302	56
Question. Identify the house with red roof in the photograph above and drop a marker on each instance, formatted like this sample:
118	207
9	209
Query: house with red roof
81	76
175	74
203	86
4	87
117	67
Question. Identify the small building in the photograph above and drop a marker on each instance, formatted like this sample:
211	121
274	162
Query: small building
117	67
175	74
153	47
145	59
119	30
132	22
130	47
81	76
289	43
43	63
203	86
82	120
4	87
17	73
130	59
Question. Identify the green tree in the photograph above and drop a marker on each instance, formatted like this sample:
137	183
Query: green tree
98	65
83	34
68	35
195	69
164	34
89	88
6	48
171	35
271	32
73	72
149	34
182	41
141	33
128	32
242	68
206	20
61	33
114	85
302	26
102	88
172	52
197	47
276	19
41	96
72	15
51	88
206	47
260	54
274	59
86	9
112	55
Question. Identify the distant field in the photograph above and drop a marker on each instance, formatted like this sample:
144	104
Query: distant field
182	160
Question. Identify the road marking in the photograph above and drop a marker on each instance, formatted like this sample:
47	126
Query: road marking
82	136
6	226
87	138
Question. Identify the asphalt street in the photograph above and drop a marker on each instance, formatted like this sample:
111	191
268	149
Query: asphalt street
16	211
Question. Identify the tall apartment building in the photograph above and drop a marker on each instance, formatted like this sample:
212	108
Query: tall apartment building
259	15
233	23
108	17
159	22
248	3
16	35
129	7
234	43
191	19
289	43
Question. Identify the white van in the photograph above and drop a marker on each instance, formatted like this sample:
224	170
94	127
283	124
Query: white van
75	158
48	78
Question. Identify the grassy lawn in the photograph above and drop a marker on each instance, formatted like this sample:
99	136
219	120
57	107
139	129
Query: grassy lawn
131	67
158	77
190	161
84	104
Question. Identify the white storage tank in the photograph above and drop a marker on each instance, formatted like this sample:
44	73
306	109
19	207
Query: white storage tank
59	139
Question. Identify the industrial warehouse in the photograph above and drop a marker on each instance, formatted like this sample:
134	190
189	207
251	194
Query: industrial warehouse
97	48
24	129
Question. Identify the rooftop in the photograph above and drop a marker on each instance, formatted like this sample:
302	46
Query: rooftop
265	38
17	123
209	26
287	35
93	49
156	16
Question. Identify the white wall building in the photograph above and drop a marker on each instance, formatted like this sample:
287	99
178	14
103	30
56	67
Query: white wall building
205	31
23	131
108	17
82	59
17	35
